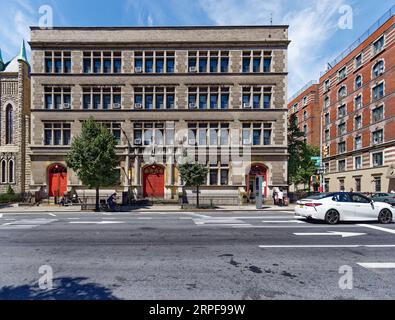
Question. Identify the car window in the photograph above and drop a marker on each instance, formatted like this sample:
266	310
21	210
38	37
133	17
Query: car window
360	198
342	197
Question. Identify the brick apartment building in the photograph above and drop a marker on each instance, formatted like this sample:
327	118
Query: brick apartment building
178	88
305	106
14	115
358	102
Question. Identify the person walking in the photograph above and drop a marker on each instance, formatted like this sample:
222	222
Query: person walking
280	198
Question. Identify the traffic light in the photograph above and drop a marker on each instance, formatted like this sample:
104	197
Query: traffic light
325	153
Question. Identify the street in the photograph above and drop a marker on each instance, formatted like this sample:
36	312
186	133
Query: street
214	255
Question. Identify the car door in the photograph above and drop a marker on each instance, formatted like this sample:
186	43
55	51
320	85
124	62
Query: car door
344	205
364	209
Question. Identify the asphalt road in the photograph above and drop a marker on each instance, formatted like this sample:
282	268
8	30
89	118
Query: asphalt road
238	255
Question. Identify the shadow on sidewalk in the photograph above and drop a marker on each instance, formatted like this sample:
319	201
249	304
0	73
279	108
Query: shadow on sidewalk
63	289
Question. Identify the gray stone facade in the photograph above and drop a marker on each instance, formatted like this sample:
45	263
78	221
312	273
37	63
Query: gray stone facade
129	41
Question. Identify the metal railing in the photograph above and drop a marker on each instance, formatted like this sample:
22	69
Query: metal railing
309	84
386	16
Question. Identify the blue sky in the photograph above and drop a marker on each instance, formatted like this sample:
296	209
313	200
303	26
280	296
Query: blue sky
314	24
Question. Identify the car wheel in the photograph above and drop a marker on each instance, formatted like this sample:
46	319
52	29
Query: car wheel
332	217
385	216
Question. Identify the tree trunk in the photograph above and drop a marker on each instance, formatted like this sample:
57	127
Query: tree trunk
97	200
197	197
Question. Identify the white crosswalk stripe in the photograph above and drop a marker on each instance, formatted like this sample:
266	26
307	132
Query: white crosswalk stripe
25	224
219	222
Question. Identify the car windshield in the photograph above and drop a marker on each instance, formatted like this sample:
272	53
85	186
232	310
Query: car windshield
320	196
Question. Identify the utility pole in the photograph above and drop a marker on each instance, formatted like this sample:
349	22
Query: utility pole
321	155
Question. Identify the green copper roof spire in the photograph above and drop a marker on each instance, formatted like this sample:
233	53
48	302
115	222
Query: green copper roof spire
22	55
1	62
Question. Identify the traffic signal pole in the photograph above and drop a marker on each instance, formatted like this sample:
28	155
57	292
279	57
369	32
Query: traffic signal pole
321	155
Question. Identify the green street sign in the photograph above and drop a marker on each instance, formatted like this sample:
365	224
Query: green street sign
316	159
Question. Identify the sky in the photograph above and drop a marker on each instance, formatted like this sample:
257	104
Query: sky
319	29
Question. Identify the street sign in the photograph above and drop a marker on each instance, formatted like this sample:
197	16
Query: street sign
316	159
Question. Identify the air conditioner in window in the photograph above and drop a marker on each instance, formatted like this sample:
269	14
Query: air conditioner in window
138	70
192	142
117	106
192	69
66	106
138	106
137	142
193	106
161	106
247	106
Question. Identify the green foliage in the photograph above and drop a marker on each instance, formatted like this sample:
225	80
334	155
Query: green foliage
308	168
92	155
193	174
10	190
10	198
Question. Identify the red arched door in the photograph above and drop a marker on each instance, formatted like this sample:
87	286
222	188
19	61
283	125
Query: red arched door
57	181
257	170
154	181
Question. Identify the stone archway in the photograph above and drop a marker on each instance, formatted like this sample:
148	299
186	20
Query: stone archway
154	181
257	170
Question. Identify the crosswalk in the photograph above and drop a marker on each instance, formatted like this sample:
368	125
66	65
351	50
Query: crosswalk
25	224
244	222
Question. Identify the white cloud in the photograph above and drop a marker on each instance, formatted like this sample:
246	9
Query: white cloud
14	26
311	22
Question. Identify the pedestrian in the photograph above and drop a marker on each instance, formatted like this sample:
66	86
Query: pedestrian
275	196
111	201
280	198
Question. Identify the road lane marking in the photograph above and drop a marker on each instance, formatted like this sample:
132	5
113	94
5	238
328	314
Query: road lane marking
52	215
326	246
284	221
145	218
222	225
378	265
377	228
1	215
95	222
332	233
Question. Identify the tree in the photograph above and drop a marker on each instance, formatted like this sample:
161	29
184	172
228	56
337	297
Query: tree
193	175
296	144
307	168
93	158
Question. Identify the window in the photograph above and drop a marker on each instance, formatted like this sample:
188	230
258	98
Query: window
378	92
327	189
341	147
378	46
358	122
11	171
377	184
342	189
327	85
358	163
327	135
378	114
57	133
342	165
358	102
341	129
358	185
9	126
101	98
57	98
151	98
58	62
358	61
358	143
305	115
378	69
327	119
213	134
261	97
208	61
342	73
257	134
304	101
219	174
377	159
358	82
3	171
257	61
208	97
326	102
102	62
342	93
150	134
341	111
378	136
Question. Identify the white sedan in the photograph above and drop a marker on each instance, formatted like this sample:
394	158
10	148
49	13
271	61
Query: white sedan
343	206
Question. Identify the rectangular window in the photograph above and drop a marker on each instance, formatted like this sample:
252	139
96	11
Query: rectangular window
378	114
202	65
170	65
224	65
358	102
67	65
225	101
377	184
48	65
358	185
267	62
246	65
358	61
342	165
96	65
57	134
342	185
358	163
107	66
256	65
341	147
358	122
378	92
342	74
58	66
87	66
378	136
358	143
378	46
378	159
213	177
149	65
117	65
213	65
160	63
257	137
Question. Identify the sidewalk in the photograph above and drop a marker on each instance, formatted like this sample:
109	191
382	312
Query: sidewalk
154	208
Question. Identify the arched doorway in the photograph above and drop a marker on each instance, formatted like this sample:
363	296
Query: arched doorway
154	181
57	180
257	170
